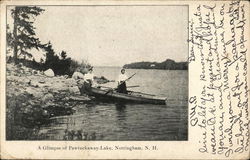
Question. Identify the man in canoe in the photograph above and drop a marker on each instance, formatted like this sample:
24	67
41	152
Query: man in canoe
122	88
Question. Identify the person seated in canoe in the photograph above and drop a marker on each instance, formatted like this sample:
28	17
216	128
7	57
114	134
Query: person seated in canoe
122	88
89	77
78	77
88	81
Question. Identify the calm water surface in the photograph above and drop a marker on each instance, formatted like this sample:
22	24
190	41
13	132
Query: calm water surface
109	121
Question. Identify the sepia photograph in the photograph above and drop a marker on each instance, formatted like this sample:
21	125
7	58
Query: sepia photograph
124	79
97	72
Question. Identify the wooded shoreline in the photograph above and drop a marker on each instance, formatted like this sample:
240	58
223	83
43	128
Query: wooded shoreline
165	65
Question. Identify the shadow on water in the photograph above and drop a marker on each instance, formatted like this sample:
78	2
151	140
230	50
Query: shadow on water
121	111
109	121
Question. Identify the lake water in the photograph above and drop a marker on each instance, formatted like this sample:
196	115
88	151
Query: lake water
109	121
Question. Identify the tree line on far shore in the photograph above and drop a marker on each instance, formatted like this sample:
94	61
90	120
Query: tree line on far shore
165	65
23	38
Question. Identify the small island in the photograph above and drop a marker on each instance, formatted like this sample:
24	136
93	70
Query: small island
168	64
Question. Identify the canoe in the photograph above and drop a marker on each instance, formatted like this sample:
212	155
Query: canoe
131	97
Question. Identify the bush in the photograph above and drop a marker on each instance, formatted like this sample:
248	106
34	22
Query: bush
83	67
61	65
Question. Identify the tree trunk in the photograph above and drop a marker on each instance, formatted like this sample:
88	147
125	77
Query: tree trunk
15	36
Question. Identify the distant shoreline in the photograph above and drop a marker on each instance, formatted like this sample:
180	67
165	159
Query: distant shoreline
108	66
165	65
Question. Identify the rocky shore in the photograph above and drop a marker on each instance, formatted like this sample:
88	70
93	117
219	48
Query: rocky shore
32	98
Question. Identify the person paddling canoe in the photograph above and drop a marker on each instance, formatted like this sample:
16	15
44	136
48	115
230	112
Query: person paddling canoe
122	88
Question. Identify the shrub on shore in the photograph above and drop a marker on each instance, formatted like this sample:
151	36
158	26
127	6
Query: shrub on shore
60	66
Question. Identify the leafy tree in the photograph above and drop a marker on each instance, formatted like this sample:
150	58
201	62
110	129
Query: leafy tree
24	31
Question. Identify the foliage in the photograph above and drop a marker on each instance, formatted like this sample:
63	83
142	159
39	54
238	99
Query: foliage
9	37
166	65
63	54
51	57
68	66
62	65
9	40
23	36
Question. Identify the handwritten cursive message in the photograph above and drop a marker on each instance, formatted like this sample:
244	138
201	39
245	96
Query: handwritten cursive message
218	44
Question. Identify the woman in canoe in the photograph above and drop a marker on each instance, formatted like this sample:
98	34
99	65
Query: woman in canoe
88	81
89	77
122	88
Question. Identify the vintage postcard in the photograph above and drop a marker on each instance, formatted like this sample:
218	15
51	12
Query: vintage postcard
125	80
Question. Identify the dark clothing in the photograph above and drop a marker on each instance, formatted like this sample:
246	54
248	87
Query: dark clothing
86	87
122	88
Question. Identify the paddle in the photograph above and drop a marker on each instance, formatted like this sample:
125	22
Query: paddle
120	84
127	79
114	89
142	93
133	86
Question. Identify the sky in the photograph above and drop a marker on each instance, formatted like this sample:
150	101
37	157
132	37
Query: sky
116	35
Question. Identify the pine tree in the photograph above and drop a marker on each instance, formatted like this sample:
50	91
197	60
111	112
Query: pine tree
24	36
63	54
52	59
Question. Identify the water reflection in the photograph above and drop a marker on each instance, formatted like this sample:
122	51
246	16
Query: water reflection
107	121
121	111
